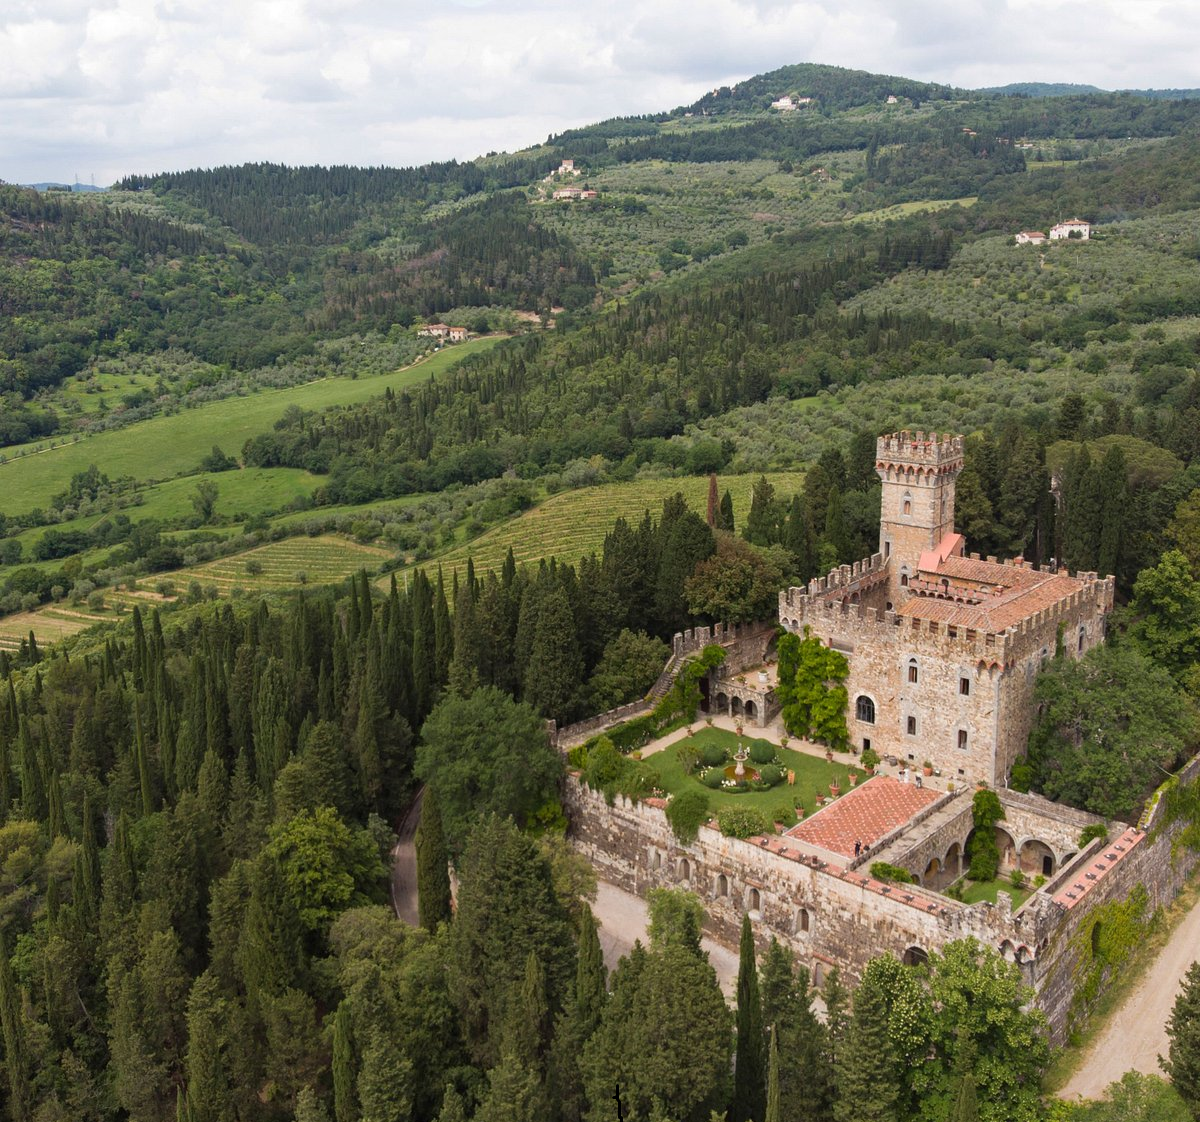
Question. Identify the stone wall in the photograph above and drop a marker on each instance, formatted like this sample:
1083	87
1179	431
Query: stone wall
833	915
570	735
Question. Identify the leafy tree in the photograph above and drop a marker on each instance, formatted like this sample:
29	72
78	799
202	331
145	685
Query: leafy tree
1182	1064
676	916
1166	611
326	866
554	669
1135	1098
811	690
1108	721
737	584
433	871
485	753
805	1068
986	811
630	665
204	499
1184	530
749	1077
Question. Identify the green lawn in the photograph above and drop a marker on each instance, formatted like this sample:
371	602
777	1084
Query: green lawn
163	447
988	890
813	774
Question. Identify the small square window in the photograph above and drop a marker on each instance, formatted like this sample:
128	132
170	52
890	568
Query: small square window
964	686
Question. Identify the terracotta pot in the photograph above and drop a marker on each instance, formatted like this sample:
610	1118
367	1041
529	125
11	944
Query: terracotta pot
834	790
854	779
927	771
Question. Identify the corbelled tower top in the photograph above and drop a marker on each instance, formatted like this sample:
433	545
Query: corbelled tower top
918	470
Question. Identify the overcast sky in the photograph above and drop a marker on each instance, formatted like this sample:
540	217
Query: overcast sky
103	89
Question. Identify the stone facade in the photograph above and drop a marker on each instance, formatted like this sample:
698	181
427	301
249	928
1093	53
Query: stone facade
834	914
943	648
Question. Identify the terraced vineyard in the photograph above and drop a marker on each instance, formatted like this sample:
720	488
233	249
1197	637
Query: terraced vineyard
285	564
321	560
570	525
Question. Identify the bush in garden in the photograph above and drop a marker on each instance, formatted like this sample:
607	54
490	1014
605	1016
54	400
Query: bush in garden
712	754
687	812
785	814
771	775
713	778
743	822
762	753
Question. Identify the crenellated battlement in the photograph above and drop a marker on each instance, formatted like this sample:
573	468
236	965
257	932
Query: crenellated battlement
918	457
826	606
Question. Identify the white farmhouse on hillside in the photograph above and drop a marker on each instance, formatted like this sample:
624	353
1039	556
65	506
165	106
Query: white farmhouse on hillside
1031	237
783	104
1072	228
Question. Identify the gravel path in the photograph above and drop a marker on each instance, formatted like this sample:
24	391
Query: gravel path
623	918
1136	1033
404	865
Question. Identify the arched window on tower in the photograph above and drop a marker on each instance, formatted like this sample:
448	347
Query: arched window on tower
864	709
913	673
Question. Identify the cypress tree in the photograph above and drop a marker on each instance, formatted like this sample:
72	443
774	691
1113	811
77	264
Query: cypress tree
554	670
749	1075
453	1107
868	1082
1182	1064
208	1097
15	1059
590	974
345	1098
772	1108
1114	511
433	875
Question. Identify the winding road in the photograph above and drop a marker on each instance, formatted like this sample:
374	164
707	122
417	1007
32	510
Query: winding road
404	864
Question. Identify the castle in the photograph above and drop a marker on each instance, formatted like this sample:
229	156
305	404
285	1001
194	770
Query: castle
943	647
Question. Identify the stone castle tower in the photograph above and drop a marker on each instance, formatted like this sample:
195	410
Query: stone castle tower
918	471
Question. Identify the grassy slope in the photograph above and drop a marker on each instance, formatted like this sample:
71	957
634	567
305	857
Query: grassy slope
570	525
163	447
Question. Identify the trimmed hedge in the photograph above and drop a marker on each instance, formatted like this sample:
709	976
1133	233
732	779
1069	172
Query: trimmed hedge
762	753
771	775
883	870
713	754
713	778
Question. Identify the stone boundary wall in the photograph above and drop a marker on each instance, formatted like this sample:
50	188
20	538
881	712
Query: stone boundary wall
570	735
1029	817
832	915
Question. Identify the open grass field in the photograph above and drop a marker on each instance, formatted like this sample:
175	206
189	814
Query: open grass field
813	774
163	447
322	560
572	524
902	210
988	890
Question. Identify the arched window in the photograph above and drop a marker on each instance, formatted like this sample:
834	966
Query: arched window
962	739
722	885
908	506
864	709
753	902
1082	632
802	920
913	674
904	577
910	726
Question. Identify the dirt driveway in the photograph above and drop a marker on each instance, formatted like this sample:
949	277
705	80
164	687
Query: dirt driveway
1136	1033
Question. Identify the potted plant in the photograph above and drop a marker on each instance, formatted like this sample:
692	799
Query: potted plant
829	755
708	720
820	799
870	760
927	768
738	728
783	740
853	778
835	789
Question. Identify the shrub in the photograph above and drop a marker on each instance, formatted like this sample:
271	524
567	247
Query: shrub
254	566
577	757
603	765
95	600
761	752
870	758
1095	830
771	775
637	780
785	814
688	759
633	734
743	822
713	778
712	754
884	870
1018	878
687	812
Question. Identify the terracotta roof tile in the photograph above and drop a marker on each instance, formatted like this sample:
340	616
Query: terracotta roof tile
864	814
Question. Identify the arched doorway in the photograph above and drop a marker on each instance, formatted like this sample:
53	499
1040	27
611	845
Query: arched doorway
722	703
915	956
1007	848
751	710
953	861
685	870
1037	858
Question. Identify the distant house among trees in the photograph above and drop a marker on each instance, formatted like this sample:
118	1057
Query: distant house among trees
567	167
1072	228
892	99
573	194
1031	237
784	104
443	331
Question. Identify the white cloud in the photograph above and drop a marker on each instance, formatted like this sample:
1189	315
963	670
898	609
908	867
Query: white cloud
116	86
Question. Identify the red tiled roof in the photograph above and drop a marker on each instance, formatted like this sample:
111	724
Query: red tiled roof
864	814
1102	862
983	595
